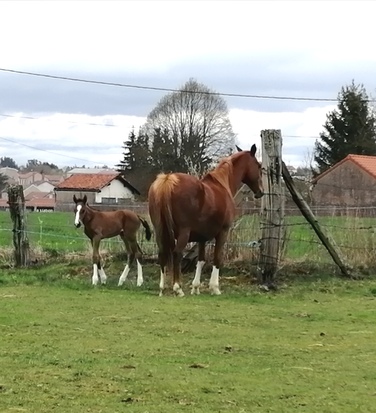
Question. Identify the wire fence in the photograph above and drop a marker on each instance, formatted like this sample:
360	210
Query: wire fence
353	233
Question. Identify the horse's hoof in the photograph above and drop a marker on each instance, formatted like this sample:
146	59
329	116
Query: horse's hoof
215	291
195	291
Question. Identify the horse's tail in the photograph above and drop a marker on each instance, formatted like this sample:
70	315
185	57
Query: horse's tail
146	225
160	208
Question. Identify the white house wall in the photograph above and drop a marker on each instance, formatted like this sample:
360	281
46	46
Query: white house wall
115	190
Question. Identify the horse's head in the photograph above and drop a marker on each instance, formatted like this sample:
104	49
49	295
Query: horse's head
79	210
252	173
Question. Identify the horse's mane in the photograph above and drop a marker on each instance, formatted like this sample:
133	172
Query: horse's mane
222	173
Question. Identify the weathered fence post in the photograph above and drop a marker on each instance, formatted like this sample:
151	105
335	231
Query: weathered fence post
16	201
272	206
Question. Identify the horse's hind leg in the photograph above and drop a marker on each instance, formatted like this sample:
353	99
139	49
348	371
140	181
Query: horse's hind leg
200	263
98	271
162	259
217	262
133	252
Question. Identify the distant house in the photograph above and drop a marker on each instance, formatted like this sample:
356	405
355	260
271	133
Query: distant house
29	178
11	173
45	186
349	183
101	189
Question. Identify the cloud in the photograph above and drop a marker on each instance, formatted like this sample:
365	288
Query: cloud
80	139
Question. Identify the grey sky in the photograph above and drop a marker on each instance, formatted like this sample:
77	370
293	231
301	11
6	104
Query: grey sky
279	48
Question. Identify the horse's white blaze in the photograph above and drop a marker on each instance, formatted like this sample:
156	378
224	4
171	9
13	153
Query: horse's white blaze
95	278
162	283
214	281
140	279
197	280
124	275
102	275
178	291
77	217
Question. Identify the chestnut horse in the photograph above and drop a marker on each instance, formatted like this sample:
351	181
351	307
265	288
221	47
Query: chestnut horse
186	209
99	225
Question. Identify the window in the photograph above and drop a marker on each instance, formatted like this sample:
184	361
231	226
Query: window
108	201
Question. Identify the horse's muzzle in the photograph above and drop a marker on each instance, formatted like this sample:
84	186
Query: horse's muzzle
78	225
259	194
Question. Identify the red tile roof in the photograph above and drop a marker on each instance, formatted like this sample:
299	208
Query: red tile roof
365	162
87	182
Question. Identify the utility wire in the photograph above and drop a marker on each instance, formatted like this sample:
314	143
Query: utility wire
164	89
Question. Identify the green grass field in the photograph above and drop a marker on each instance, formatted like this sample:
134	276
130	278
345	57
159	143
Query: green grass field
69	347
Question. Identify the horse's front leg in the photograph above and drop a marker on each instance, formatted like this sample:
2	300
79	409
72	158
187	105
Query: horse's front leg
98	271
200	263
217	262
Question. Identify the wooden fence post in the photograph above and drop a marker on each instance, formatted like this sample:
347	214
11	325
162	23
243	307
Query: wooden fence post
16	201
272	207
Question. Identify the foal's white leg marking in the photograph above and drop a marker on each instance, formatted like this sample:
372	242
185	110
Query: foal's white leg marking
177	290
77	217
214	281
162	283
124	275
102	275
197	280
140	279
95	278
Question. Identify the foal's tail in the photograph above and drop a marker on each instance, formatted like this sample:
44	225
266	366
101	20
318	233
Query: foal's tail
146	225
160	211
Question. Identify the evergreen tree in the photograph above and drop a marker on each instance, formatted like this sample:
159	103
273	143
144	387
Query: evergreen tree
128	163
136	164
349	129
5	161
162	154
3	181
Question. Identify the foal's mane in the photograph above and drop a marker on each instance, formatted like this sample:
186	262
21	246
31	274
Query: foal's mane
222	173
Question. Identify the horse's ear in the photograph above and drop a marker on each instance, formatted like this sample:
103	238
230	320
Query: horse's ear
238	148
84	199
75	199
253	150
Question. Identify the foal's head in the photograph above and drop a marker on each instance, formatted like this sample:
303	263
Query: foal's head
252	175
79	210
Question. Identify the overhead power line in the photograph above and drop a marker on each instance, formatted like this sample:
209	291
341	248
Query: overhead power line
163	89
50	152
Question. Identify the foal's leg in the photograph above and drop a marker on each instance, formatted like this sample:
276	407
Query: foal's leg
133	253
217	263
177	256
125	272
97	267
200	263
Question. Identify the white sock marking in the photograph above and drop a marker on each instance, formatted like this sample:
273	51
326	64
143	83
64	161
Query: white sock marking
178	291
124	275
102	276
214	281
140	278
162	283
95	278
197	280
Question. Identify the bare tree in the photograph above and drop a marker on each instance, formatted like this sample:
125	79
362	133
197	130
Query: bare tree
197	122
